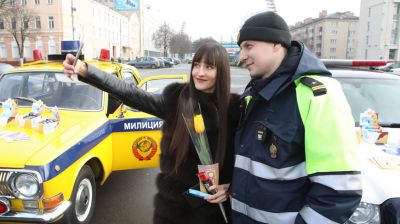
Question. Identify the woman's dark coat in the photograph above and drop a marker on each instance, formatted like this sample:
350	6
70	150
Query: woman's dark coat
171	205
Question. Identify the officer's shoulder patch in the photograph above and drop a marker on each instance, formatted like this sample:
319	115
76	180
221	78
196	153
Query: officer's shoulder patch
317	87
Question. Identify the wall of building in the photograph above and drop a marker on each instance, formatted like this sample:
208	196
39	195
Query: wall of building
379	30
329	36
98	25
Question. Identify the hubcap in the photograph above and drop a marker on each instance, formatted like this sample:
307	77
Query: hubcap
83	201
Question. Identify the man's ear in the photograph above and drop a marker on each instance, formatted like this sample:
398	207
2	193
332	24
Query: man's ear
277	47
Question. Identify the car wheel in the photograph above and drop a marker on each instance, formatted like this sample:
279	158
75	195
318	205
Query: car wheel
153	66
83	198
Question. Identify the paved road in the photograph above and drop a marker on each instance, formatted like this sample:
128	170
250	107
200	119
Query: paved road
127	196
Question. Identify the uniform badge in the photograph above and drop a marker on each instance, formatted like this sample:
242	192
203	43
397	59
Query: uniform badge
273	151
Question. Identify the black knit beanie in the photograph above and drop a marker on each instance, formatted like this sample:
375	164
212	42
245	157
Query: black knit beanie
265	26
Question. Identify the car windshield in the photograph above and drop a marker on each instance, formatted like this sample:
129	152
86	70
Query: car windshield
380	95
54	89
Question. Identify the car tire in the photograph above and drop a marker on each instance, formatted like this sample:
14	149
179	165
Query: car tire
153	66
83	198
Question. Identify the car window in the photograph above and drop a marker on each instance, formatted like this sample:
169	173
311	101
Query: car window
158	85
380	95
54	89
10	86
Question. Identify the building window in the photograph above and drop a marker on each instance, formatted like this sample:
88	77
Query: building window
37	22
332	57
27	49
392	54
367	40
333	50
369	12
37	2
15	52
50	2
52	47
13	3
334	32
26	22
1	24
333	41
24	2
3	50
39	45
51	22
13	23
335	24
368	26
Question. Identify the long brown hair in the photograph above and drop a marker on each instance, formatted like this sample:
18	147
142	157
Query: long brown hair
213	54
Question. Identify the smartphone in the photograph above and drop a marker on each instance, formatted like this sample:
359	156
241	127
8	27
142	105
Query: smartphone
78	54
198	193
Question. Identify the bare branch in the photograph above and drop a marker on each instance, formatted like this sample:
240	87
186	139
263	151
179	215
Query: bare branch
162	37
18	21
181	44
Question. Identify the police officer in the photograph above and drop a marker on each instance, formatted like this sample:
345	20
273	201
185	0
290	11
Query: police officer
295	147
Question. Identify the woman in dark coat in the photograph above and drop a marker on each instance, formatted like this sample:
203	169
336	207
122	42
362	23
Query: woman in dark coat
209	86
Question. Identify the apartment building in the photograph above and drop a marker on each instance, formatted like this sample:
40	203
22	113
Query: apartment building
144	17
379	30
332	36
97	25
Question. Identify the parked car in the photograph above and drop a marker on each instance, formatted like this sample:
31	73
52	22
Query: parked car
162	63
48	176
395	71
167	63
387	67
366	89
146	62
177	61
4	67
170	60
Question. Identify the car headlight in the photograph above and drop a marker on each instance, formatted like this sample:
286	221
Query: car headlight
365	213
27	185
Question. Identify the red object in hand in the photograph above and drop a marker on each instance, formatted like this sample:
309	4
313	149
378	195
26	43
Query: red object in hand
207	182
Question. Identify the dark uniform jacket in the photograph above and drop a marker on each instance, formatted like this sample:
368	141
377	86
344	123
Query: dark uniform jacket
272	182
171	205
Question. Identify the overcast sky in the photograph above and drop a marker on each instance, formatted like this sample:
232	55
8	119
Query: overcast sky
222	19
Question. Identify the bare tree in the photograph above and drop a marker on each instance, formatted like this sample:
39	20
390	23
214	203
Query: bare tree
162	37
181	44
197	43
3	3
17	19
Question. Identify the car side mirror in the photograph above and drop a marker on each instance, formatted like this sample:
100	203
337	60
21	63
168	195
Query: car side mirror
122	111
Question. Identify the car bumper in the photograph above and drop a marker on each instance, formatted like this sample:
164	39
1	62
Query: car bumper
27	217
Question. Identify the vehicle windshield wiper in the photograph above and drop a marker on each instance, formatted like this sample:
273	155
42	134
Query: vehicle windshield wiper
390	125
25	99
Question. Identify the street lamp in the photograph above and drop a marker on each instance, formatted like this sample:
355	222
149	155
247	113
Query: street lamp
72	18
148	7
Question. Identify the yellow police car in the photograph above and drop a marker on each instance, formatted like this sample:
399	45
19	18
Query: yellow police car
58	137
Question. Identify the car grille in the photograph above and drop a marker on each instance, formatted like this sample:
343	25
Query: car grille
4	178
